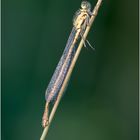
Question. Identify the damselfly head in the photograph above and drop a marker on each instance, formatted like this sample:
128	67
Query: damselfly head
85	5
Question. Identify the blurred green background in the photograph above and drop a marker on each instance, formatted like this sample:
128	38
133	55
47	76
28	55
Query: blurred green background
101	102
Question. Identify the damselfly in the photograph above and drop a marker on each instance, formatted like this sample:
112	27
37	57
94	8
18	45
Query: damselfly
80	22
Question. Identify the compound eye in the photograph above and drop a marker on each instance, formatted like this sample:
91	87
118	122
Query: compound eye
85	5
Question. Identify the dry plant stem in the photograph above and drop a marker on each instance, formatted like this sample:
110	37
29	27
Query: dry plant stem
94	13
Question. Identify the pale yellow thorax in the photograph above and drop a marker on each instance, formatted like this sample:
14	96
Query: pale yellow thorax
80	19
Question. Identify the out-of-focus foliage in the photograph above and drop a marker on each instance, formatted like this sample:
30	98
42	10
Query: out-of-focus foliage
101	101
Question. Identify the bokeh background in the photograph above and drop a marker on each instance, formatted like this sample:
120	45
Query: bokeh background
101	101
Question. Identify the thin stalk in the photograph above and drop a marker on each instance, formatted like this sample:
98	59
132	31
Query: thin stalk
94	13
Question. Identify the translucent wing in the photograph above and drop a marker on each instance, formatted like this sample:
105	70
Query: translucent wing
61	69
